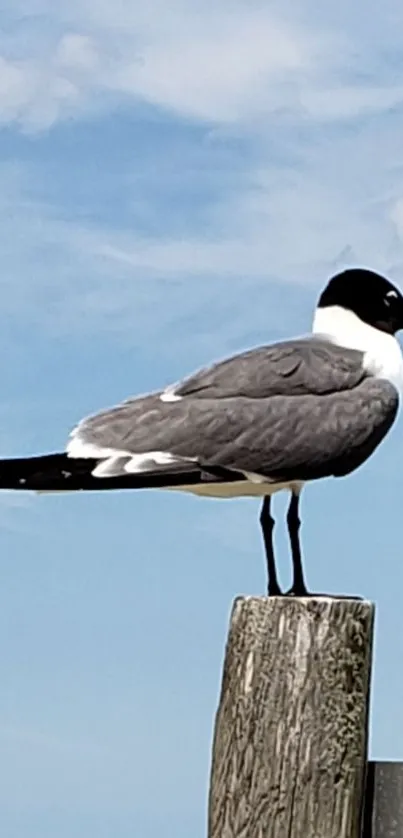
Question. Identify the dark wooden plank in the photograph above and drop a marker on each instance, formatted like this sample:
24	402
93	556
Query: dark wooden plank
384	801
290	742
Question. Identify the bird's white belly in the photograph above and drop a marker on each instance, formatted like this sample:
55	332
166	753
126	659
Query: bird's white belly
236	489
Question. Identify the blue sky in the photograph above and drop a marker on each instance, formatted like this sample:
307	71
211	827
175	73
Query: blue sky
177	181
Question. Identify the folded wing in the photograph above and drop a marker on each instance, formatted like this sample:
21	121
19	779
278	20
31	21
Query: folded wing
278	437
295	367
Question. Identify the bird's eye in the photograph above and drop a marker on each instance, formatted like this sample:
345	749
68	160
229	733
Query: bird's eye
390	297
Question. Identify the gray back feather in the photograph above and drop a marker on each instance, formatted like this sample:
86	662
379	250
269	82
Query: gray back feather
294	367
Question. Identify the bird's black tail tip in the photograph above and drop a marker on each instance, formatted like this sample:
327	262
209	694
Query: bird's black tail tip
47	473
61	473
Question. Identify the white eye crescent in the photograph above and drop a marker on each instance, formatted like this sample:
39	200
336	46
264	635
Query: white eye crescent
391	295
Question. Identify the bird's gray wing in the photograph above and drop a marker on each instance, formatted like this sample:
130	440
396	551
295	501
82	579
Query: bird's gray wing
294	367
279	438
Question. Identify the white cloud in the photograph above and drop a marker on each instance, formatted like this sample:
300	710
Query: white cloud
34	96
77	52
228	64
14	89
225	68
349	101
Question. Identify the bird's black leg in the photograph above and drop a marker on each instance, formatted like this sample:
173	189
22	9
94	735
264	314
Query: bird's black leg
293	521
267	524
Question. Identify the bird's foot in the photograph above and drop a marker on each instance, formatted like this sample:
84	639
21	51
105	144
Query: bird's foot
298	589
274	590
303	592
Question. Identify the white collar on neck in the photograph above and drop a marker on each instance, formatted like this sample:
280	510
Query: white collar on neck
382	352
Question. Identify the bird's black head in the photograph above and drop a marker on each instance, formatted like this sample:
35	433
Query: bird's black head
368	295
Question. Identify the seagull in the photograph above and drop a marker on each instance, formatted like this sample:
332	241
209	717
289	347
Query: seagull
269	419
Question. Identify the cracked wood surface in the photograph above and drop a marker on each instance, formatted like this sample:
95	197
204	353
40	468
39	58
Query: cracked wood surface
290	738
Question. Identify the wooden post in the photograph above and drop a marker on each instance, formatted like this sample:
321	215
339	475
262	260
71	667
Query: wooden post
384	801
290	741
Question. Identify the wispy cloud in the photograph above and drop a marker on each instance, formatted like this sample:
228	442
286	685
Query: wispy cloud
222	65
287	223
216	67
270	187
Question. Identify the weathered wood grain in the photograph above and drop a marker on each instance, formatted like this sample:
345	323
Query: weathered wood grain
290	738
